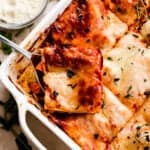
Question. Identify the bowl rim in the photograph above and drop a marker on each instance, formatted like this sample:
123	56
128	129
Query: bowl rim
11	26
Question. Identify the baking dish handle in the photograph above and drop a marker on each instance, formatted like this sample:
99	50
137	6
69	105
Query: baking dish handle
23	109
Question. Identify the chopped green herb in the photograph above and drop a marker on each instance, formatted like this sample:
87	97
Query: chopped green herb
147	93
116	79
108	18
72	85
138	127
134	142
105	73
142	52
121	69
129	89
147	138
70	73
128	92
119	59
55	94
6	34
135	35
103	104
96	135
138	135
88	40
109	58
102	17
6	49
129	47
127	96
119	9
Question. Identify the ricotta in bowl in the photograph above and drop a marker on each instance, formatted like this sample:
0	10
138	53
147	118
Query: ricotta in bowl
18	12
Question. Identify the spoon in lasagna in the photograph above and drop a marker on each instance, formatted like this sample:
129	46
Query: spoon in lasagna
69	77
34	58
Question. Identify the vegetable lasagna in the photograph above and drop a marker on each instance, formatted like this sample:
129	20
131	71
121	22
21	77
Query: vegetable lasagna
94	68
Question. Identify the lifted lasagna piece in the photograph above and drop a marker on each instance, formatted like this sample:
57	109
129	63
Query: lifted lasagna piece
127	71
86	23
136	134
96	131
72	78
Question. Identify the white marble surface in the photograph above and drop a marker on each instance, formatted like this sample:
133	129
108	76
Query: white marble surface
7	139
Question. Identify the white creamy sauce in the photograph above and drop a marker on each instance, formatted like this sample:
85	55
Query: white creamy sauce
19	11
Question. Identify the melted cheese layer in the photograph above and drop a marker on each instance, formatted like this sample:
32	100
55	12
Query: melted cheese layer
127	71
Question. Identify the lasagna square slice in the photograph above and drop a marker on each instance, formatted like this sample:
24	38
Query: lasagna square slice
95	131
136	134
127	72
87	24
116	112
72	79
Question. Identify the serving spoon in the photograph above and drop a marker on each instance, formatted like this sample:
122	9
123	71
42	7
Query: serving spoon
32	57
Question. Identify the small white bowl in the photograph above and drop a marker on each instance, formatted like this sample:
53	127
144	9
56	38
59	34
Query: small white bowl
13	26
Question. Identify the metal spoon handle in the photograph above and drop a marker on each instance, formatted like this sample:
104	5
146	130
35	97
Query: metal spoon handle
16	47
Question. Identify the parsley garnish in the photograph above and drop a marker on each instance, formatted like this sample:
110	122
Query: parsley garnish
129	89
70	73
127	96
135	35
116	79
72	85
128	92
96	135
6	49
109	58
147	138
103	104
147	93
55	94
138	127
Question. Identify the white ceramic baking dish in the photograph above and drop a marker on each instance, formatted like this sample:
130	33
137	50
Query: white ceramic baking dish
8	76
